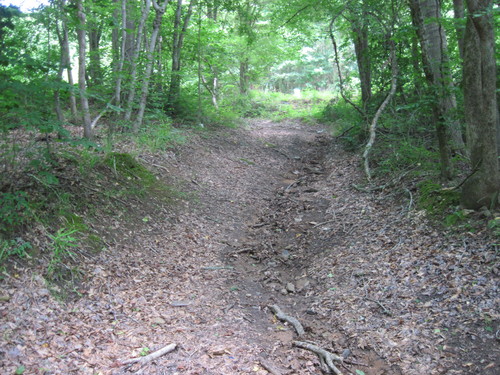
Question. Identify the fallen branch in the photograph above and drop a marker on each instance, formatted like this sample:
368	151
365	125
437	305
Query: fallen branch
290	319
270	368
325	357
150	357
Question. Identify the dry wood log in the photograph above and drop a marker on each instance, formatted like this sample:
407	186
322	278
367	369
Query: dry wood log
290	319
325	357
150	357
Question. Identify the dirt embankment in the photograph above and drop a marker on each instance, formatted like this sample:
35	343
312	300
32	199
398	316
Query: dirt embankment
271	218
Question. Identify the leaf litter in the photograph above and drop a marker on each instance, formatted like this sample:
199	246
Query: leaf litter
272	218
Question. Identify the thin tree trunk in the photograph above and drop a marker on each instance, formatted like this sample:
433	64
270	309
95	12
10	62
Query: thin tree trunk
159	10
481	107
135	58
82	55
244	78
178	40
373	125
65	55
341	80
121	58
95	71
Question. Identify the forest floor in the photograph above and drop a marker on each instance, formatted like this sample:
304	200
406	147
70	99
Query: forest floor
270	217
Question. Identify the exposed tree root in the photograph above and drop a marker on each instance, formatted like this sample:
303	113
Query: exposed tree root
290	319
326	358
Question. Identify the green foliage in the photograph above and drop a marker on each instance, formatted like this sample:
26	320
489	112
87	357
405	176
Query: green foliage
126	165
13	248
60	250
494	226
15	211
307	105
160	135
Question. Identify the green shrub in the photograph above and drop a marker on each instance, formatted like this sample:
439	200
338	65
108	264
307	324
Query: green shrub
15	211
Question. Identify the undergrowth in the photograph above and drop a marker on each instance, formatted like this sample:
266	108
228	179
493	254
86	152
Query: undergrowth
405	158
55	194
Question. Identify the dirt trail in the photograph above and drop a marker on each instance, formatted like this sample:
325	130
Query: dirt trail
271	218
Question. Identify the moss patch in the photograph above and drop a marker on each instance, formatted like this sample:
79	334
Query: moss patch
128	166
435	200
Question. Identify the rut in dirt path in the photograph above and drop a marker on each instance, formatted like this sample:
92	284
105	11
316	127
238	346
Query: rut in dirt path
270	217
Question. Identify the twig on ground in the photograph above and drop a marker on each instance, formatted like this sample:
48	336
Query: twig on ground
290	319
151	357
324	222
216	268
325	357
385	311
270	368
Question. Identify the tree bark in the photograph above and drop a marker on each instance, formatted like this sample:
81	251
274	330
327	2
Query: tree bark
120	53
481	107
178	40
94	36
458	10
63	36
82	55
244	78
362	52
425	16
134	59
159	12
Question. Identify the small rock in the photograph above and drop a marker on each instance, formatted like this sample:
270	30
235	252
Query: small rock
302	284
346	353
285	254
485	212
359	273
158	320
290	287
283	291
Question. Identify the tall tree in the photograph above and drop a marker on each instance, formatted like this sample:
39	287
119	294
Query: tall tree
159	12
180	28
134	58
426	16
481	107
82	68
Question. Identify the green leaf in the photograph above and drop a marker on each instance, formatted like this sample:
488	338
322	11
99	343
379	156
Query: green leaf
20	370
359	372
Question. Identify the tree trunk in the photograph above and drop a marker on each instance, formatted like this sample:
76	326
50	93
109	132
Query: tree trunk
65	54
159	10
178	40
244	78
135	58
95	70
458	10
481	107
120	52
82	55
425	16
363	60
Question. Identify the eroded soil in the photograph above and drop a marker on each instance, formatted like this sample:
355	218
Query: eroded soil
271	217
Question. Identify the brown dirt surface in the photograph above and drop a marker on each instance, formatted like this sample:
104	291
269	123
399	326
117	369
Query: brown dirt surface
270	217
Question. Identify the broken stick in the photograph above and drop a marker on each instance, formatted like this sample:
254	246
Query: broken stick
290	319
151	357
325	356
